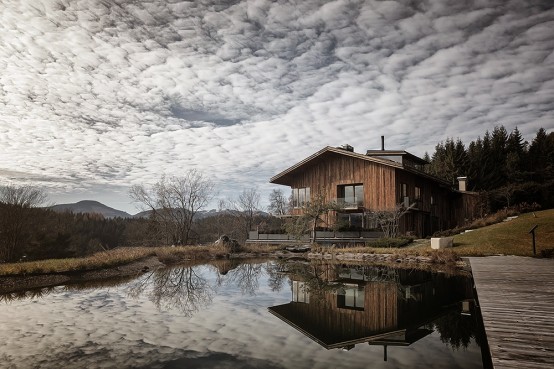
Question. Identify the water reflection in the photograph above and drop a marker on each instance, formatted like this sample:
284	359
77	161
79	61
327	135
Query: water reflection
179	317
340	306
183	288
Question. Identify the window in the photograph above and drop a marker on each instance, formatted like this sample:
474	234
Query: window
432	200
403	190
351	195
300	196
417	193
299	292
351	297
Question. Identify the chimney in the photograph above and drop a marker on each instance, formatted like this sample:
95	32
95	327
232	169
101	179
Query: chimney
347	147
382	143
462	184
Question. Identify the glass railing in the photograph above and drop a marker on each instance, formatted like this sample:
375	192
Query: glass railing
351	202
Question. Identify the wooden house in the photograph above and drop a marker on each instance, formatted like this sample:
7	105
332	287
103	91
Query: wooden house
375	181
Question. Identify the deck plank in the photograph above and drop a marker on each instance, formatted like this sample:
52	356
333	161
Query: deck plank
516	297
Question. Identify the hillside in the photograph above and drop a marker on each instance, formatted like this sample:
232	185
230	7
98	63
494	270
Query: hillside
509	238
91	207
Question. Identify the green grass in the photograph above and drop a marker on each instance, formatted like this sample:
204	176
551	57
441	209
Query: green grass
509	238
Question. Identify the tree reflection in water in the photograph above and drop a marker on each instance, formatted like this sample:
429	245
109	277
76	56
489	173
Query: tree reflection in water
339	305
405	299
183	288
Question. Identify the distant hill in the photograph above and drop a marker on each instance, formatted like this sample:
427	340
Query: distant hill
91	207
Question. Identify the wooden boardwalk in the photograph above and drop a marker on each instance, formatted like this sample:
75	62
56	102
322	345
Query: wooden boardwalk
516	296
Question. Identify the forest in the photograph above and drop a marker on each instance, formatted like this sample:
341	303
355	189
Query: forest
502	167
505	169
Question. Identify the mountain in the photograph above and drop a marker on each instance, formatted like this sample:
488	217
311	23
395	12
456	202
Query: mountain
89	206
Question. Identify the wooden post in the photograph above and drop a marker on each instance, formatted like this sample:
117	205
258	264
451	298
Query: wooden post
532	231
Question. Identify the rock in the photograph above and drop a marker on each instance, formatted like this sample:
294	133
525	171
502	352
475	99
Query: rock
227	242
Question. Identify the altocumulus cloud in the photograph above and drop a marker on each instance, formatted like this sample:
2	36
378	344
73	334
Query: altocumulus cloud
112	93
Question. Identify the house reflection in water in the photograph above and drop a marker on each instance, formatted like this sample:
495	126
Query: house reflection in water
339	306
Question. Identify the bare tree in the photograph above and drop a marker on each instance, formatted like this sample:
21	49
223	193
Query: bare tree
244	209
278	203
389	220
173	203
15	205
311	216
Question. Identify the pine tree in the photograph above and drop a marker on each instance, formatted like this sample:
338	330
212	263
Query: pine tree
515	157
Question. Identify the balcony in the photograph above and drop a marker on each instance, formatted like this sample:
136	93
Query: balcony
351	202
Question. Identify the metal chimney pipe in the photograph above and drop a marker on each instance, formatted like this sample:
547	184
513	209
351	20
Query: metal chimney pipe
382	143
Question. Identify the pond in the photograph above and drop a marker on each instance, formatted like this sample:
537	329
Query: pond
259	314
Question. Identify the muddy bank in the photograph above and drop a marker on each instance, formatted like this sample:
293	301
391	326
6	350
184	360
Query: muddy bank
25	282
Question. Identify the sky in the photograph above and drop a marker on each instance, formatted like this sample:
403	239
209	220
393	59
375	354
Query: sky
97	96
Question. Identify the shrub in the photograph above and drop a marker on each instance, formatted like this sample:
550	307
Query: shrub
389	242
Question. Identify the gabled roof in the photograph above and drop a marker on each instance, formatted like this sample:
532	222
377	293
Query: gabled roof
280	178
275	179
402	153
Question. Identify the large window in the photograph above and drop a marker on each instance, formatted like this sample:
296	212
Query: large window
351	195
351	297
300	196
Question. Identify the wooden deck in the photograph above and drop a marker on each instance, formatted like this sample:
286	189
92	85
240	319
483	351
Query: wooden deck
516	296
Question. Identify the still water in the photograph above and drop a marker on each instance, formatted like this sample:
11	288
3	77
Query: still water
247	315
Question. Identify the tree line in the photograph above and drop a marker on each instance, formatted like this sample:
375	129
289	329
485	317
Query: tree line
29	231
502	166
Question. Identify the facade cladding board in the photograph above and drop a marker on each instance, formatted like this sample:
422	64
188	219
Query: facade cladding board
437	206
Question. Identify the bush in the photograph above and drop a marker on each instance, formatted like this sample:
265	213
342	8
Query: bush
389	242
443	256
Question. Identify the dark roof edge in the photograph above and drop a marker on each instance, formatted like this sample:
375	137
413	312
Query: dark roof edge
386	162
338	151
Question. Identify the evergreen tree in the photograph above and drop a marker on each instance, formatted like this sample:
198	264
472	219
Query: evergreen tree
541	156
515	157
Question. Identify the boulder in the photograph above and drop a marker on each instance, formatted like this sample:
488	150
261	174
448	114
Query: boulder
227	242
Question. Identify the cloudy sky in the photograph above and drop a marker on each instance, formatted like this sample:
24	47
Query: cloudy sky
98	95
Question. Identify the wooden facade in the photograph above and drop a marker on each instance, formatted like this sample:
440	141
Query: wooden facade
386	183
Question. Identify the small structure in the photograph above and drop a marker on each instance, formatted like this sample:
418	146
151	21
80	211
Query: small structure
438	243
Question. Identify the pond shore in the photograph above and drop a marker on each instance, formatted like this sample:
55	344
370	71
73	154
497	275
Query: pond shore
134	268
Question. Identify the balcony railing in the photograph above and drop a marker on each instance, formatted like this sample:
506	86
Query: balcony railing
352	202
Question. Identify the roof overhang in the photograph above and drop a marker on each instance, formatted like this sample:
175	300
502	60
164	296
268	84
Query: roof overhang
283	178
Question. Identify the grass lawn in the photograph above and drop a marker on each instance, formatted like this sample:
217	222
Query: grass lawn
506	238
509	238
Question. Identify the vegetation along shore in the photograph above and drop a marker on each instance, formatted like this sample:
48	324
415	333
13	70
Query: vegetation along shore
507	237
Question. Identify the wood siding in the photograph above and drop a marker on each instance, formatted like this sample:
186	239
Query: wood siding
331	170
326	172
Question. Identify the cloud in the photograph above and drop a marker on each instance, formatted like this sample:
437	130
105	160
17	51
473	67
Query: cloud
120	92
